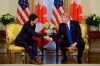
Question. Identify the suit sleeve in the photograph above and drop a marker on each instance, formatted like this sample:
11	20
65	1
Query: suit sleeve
58	35
78	29
29	29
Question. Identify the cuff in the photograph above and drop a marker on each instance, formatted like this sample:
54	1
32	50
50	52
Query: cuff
75	43
51	39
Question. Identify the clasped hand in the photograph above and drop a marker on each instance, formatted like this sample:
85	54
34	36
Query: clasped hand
73	46
48	38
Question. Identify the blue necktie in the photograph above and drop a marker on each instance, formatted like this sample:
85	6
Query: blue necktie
69	35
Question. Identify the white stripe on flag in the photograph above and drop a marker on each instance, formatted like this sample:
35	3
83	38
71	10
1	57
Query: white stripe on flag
62	10
22	12
58	15
27	9
18	17
55	21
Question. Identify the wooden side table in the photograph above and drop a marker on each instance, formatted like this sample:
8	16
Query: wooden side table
93	35
2	35
2	41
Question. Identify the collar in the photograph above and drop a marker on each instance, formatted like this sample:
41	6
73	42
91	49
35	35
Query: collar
31	24
68	23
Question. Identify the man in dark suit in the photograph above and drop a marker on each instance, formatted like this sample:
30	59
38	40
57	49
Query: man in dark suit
25	38
75	39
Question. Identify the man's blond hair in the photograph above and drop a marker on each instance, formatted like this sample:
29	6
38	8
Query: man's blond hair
66	15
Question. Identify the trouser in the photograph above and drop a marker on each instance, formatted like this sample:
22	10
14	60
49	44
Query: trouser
63	44
32	51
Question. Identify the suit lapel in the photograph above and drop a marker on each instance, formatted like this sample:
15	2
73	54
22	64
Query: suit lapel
33	27
65	30
71	27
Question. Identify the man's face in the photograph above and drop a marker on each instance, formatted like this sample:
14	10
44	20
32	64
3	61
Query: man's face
35	21
65	19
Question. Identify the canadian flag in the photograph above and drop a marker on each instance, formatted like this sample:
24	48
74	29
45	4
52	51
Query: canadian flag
76	10
41	12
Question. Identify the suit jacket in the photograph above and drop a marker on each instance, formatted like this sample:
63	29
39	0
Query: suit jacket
27	33
75	31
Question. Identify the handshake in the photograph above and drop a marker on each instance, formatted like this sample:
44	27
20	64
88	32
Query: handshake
48	38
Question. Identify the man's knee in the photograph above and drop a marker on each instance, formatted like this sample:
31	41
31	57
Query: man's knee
35	42
81	47
61	43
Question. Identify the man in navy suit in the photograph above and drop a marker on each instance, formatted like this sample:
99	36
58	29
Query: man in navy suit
75	36
25	38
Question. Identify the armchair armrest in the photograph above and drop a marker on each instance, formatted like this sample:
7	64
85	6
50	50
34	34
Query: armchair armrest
87	36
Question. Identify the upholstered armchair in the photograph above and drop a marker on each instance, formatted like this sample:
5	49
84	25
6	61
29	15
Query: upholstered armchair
12	30
83	27
85	38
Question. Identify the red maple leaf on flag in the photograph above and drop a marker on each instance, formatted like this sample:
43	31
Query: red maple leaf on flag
76	10
40	11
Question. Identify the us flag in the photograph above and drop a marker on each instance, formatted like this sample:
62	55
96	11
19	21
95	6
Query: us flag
22	11
58	9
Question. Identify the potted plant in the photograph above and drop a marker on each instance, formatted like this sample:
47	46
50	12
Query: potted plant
6	18
93	21
49	28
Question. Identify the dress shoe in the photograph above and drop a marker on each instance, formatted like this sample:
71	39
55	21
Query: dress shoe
79	61
64	61
33	62
39	61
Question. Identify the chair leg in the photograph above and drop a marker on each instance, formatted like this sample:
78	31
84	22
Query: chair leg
15	57
71	59
24	57
68	56
86	56
12	57
9	56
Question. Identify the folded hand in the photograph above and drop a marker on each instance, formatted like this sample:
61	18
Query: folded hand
47	38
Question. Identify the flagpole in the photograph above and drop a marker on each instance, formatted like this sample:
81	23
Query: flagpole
66	5
31	5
